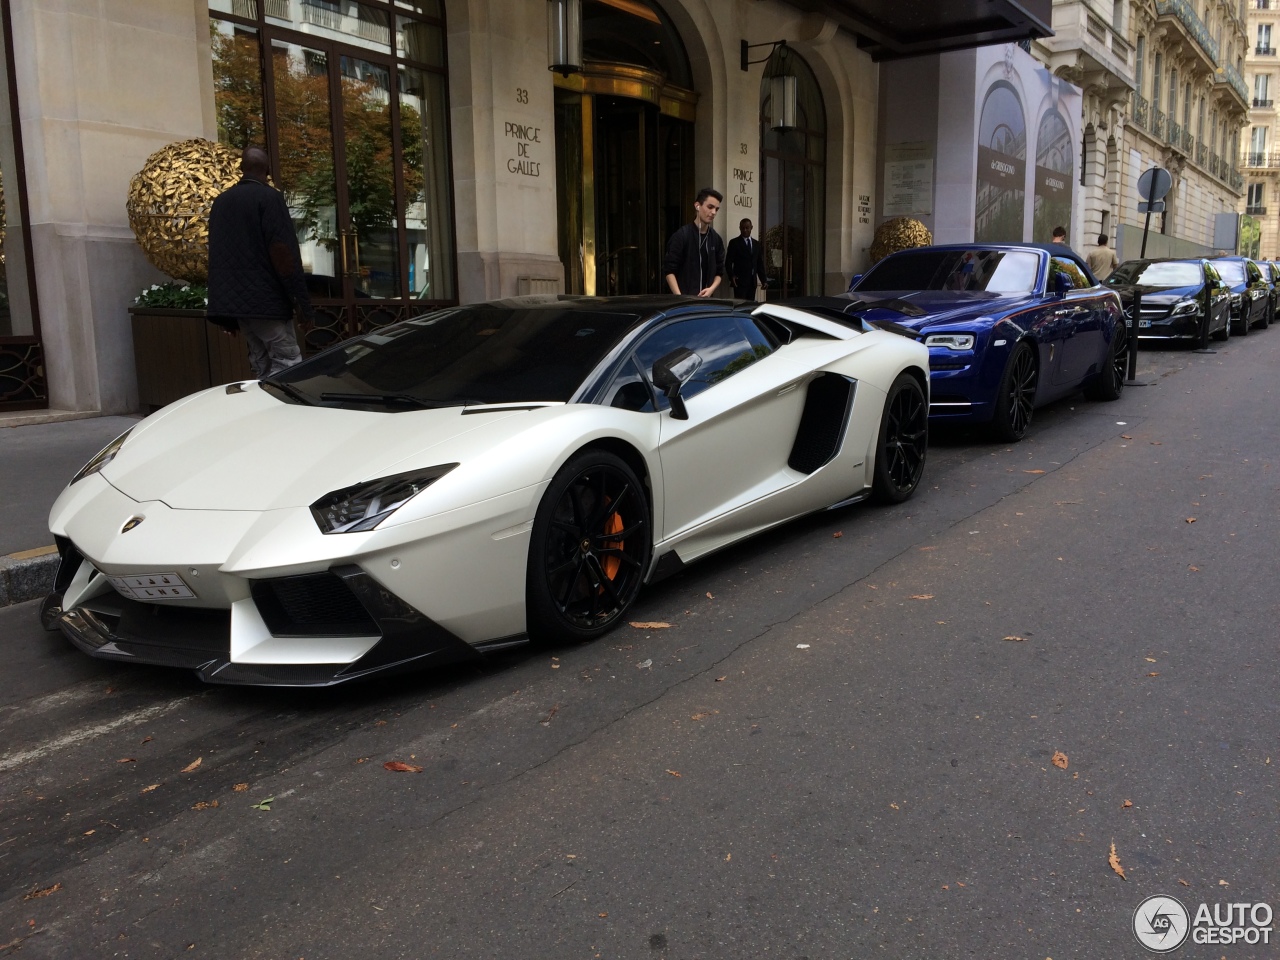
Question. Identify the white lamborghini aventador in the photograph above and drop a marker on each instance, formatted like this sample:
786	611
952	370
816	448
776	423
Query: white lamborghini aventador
474	478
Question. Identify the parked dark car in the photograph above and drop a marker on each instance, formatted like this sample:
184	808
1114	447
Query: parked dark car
1250	293
1009	327
1271	273
1174	298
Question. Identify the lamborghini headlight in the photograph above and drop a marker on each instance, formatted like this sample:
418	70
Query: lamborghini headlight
365	505
951	341
1184	308
103	457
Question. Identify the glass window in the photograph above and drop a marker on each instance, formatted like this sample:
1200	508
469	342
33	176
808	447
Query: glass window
1232	270
351	23
419	41
237	84
17	306
990	271
1079	280
628	390
486	353
1175	274
428	186
719	341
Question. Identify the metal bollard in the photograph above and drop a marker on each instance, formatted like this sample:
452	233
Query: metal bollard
1133	338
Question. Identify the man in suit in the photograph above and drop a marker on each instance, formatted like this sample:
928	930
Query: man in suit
744	262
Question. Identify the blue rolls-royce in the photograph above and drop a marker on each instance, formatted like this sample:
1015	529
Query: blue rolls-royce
1009	327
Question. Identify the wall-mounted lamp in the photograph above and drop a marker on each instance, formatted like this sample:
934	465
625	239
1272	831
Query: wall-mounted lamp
564	36
782	103
746	49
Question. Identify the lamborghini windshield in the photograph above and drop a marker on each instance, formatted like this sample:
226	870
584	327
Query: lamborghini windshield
1002	272
484	353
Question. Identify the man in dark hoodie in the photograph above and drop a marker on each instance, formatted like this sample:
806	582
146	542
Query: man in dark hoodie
256	283
695	253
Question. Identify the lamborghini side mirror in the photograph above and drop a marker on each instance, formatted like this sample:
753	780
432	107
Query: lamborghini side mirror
672	372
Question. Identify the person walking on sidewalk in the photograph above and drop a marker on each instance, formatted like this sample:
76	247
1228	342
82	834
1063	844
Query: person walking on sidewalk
1102	260
744	261
695	253
256	283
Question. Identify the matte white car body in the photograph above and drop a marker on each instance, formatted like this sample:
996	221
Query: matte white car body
223	480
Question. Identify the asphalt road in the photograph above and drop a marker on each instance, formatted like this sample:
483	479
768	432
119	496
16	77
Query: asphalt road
838	749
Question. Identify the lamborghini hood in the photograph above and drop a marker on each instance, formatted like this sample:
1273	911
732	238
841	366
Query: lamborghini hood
251	451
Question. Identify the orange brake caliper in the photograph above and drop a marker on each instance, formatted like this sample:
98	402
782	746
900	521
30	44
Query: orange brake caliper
612	563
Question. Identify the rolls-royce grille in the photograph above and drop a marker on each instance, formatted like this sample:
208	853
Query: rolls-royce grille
314	605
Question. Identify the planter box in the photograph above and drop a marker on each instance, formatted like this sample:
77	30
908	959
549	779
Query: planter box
178	352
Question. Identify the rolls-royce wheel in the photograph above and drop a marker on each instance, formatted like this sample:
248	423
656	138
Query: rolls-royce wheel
589	549
1109	383
1016	396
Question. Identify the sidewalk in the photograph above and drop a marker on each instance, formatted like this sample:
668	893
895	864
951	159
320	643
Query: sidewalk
36	461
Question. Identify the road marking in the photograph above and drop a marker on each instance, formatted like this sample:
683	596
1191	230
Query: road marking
11	760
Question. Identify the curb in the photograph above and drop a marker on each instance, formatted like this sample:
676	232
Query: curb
27	575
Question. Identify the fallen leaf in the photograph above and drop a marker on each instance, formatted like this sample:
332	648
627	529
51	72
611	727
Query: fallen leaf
922	596
709	596
1191	519
603	915
728	857
149	789
1060	759
37	894
379	723
203	805
240	787
263	804
1127	804
1125	436
1150	659
126	760
1153	674
546	721
718	679
644	664
147	739
837	535
1223	883
802	646
1157	443
1033	471
90	833
959	884
895	806
651	625
700	716
1114	860
399	766
1017	639
1184	883
674	773
1194	569
191	767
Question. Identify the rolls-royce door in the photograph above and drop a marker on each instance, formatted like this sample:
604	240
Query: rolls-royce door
743	402
1082	310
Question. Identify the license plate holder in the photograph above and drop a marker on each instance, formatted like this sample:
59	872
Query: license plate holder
152	586
1143	323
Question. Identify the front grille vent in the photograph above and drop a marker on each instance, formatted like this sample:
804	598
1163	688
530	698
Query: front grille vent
313	605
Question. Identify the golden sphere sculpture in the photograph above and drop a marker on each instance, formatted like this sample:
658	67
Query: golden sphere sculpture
169	201
900	233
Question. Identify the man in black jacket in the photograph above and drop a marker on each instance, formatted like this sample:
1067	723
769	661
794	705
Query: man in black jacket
256	283
695	252
744	262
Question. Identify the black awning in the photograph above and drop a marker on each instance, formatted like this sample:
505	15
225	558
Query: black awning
891	29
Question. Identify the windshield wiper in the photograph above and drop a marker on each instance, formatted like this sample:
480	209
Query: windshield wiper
390	400
289	391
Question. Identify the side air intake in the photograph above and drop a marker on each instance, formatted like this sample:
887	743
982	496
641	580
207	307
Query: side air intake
823	423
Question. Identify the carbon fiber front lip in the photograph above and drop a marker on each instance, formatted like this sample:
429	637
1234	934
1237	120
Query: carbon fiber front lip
129	631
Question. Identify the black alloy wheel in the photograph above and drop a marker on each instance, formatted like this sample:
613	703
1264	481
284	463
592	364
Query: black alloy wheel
589	549
1109	383
1268	314
1225	332
1246	319
904	441
1016	397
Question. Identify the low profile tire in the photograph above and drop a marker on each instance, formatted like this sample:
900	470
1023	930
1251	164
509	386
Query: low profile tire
589	549
1016	395
1242	330
1267	316
1109	383
903	441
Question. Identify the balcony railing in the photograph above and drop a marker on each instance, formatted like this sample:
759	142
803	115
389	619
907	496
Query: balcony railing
1236	181
1262	4
1253	159
1188	142
1140	108
1255	211
1202	154
1265	51
1157	122
1215	163
1175	134
1183	10
1232	76
1260	102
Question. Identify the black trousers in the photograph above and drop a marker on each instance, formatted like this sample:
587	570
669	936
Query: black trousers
745	293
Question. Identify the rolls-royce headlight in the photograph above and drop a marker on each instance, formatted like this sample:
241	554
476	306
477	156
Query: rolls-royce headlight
103	457
1184	308
365	505
951	341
